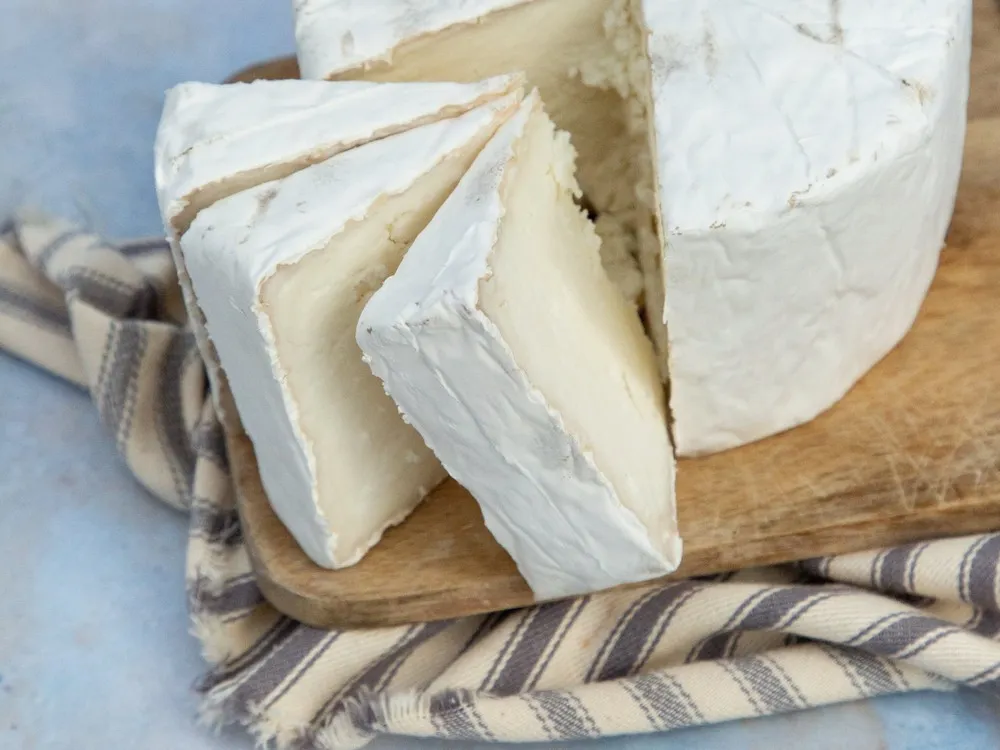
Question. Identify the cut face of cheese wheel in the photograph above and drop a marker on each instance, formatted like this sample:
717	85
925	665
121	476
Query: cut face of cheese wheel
565	49
505	344
784	170
215	140
282	272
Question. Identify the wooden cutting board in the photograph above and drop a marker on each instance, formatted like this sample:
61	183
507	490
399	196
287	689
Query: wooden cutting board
912	452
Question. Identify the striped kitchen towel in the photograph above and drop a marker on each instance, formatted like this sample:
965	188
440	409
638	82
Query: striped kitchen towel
757	642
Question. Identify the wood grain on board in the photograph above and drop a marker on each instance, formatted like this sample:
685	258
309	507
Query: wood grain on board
913	451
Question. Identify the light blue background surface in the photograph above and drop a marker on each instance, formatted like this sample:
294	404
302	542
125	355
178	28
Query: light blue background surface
94	648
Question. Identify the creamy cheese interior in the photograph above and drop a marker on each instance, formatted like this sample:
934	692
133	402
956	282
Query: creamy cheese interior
313	307
197	201
584	56
572	333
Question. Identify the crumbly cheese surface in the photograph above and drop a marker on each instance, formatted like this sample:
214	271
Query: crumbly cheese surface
566	48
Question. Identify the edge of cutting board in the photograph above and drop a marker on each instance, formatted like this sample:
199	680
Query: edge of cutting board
912	452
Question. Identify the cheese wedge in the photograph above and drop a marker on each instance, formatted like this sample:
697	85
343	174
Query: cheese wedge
803	204
785	170
282	272
216	140
505	344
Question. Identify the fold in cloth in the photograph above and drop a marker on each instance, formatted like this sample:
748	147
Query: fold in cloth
109	318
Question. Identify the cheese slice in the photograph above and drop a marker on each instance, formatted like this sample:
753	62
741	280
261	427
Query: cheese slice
282	272
790	168
505	344
216	140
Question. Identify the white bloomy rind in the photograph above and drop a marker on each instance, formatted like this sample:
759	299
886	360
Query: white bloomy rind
809	155
335	35
233	247
447	366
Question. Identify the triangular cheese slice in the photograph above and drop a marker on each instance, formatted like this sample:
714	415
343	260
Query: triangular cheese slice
505	344
216	140
282	272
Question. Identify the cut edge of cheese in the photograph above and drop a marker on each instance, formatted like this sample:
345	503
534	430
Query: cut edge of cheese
215	140
282	272
543	400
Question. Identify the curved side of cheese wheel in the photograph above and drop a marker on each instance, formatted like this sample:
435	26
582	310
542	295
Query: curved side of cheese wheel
803	205
504	343
282	272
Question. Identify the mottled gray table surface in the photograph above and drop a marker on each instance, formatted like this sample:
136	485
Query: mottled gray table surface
94	643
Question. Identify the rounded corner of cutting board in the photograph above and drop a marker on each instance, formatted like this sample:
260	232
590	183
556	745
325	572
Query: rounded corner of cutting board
913	451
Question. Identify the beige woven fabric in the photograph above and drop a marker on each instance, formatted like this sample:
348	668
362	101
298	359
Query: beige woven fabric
753	643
